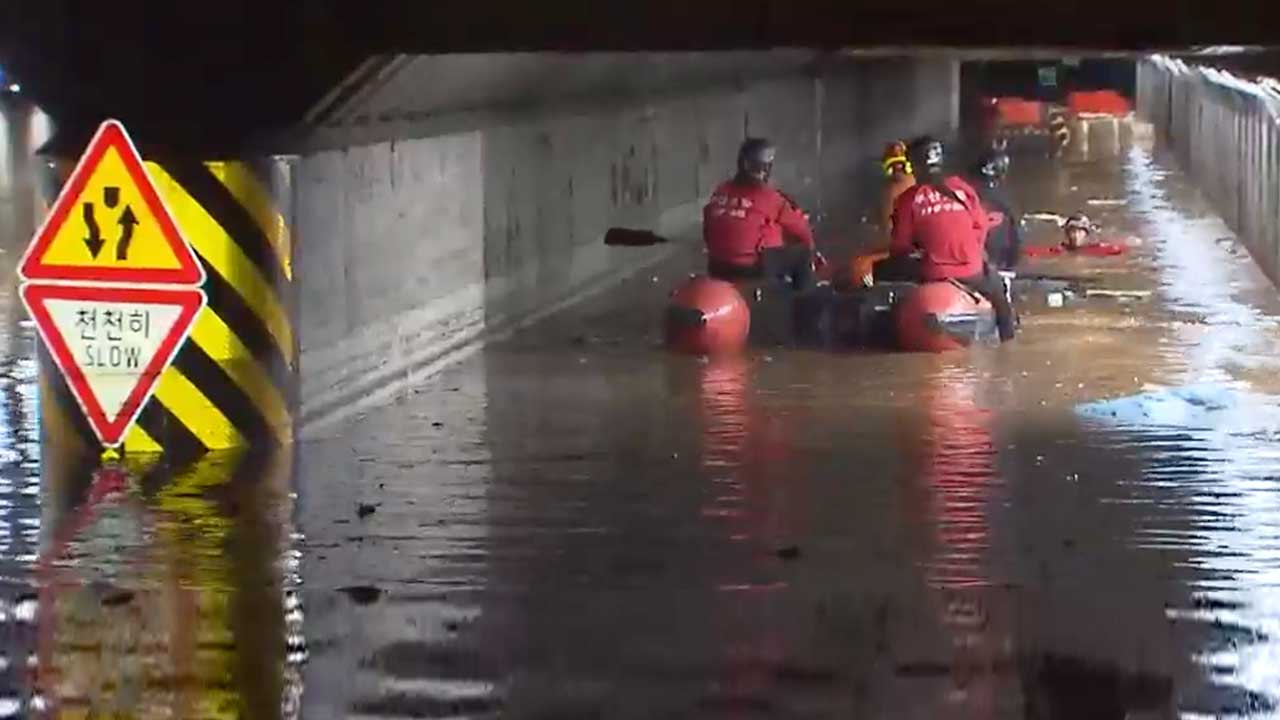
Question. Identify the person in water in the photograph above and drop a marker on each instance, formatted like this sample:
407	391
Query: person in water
1004	234
1077	231
942	219
752	230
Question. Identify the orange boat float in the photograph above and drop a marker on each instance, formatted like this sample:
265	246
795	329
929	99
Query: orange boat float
707	317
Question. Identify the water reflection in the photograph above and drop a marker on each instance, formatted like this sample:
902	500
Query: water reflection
1208	486
745	454
951	487
958	475
20	521
748	453
162	592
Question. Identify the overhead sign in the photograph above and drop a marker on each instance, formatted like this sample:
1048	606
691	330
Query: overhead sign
112	344
111	284
110	225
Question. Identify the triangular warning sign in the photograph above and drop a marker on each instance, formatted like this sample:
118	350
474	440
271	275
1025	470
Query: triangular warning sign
109	224
112	344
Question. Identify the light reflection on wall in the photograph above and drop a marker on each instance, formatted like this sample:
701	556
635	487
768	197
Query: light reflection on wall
40	129
24	128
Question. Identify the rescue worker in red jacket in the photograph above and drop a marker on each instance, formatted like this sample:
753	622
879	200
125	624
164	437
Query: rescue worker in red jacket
754	231
1077	229
943	220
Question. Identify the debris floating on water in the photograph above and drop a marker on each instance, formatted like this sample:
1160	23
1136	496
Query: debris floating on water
1101	292
1046	217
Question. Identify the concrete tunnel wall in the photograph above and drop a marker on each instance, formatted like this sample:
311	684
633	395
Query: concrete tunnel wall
1226	134
23	127
411	248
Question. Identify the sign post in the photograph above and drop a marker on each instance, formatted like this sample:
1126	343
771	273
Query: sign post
111	283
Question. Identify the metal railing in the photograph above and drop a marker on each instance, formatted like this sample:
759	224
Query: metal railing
1225	133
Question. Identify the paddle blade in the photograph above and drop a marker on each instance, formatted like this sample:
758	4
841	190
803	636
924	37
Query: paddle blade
626	237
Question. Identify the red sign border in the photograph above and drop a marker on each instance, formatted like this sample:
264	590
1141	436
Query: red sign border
111	432
111	134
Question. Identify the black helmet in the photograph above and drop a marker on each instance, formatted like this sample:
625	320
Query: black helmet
993	166
926	154
755	159
1080	221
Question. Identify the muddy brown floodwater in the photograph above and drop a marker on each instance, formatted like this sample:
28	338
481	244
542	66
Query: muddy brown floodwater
575	524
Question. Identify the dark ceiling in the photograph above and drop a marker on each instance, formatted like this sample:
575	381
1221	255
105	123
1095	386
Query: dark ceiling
213	74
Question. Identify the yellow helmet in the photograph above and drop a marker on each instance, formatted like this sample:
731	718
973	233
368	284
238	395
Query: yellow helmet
900	159
895	153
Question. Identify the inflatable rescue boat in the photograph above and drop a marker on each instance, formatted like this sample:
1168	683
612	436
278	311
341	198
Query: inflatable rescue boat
707	316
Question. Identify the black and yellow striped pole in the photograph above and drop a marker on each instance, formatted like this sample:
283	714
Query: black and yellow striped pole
233	383
1059	132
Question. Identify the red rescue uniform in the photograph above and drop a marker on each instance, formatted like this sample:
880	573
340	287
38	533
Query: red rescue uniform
949	231
744	218
1094	249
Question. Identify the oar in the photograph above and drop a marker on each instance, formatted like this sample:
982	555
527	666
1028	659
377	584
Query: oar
627	237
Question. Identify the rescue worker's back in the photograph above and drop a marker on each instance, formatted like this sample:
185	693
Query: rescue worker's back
947	224
745	217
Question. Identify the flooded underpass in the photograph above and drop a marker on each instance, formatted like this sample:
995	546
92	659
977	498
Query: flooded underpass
575	524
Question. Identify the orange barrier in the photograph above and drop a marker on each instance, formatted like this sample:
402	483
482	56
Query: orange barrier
1016	112
1101	102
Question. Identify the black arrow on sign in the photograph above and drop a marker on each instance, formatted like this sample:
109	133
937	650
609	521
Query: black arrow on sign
127	222
94	242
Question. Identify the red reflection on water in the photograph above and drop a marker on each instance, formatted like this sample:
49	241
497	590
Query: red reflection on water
722	390
748	457
950	496
958	468
747	452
